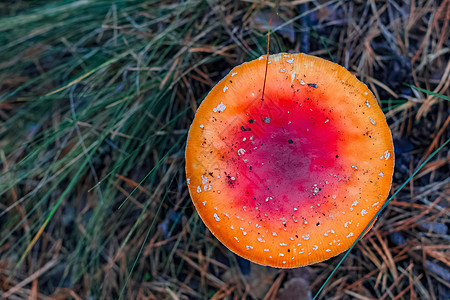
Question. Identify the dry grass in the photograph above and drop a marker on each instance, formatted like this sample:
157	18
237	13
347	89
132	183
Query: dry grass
95	102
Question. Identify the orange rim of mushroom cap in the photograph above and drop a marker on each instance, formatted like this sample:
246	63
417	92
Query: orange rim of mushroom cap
294	178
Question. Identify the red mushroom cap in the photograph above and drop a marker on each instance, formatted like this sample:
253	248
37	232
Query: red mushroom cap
294	178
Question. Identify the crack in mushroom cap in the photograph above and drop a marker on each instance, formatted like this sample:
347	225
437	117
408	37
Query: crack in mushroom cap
297	189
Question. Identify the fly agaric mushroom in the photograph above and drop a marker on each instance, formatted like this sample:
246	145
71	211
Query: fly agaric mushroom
291	177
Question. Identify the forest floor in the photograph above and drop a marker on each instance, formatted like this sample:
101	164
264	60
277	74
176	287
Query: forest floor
95	103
